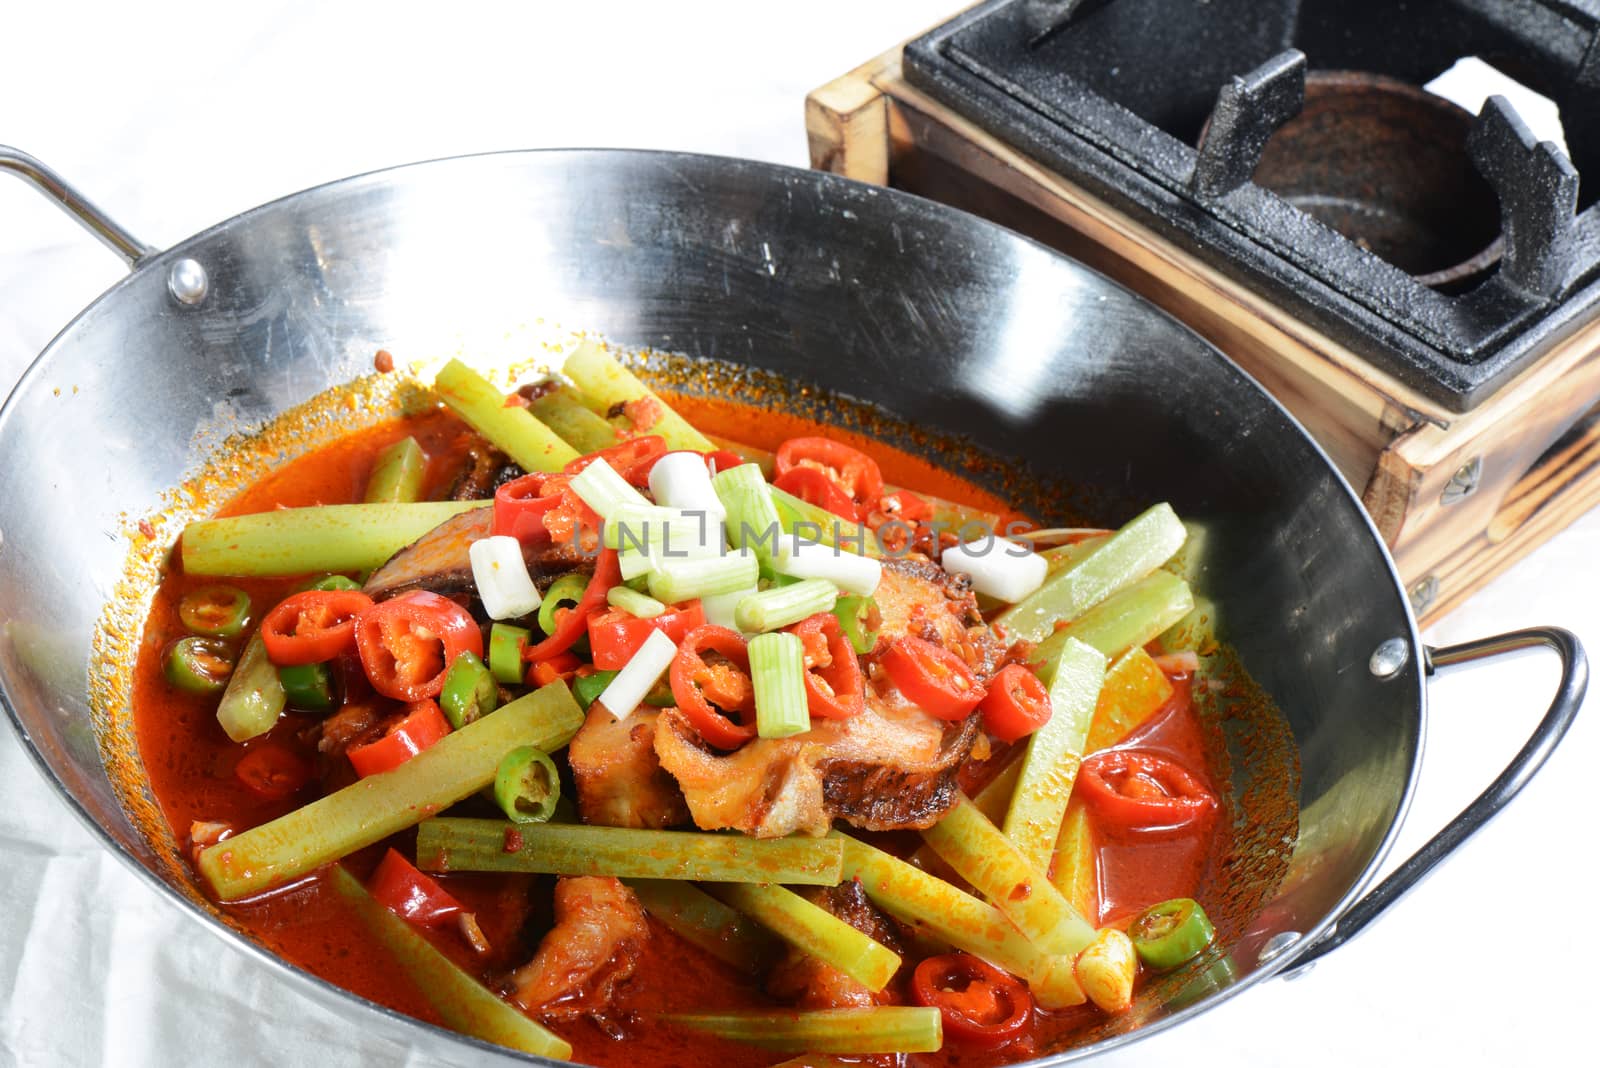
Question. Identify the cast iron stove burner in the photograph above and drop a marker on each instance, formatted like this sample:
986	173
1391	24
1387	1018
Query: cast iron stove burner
1346	195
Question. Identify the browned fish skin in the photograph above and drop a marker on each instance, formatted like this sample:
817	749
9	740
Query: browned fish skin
619	778
807	982
891	767
438	560
593	949
487	469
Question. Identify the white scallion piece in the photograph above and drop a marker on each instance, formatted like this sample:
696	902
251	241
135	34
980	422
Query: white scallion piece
607	492
674	581
636	604
634	563
501	575
680	480
999	568
855	574
639	675
780	606
722	608
778	675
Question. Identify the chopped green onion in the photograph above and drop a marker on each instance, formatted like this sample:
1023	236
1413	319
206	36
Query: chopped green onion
858	619
506	643
469	691
199	665
462	1002
721	608
457	765
781	606
607	492
501	576
330	582
626	852
527	785
815	931
675	581
1141	546
606	384
1137	615
680	480
656	531
561	411
752	518
217	611
254	698
701	919
307	686
511	428
589	687
984	857
801	519
876	1029
778	674
636	604
634	564
564	592
397	473
850	572
293	541
1050	763
639	674
1171	933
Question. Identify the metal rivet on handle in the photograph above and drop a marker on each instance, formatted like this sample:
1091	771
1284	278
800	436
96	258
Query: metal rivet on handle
1277	944
1464	482
1389	657
1423	594
188	282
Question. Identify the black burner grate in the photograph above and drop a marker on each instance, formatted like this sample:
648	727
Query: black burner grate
1116	95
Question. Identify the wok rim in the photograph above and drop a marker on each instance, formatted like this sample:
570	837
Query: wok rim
329	994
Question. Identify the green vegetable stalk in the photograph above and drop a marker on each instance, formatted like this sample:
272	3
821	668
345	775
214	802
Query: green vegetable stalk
815	931
879	1029
606	384
397	474
511	428
293	541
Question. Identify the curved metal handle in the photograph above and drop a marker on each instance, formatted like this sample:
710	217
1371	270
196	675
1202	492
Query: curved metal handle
1487	805
75	204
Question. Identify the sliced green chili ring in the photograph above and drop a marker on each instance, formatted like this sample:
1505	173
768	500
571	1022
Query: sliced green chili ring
565	591
469	691
506	644
216	611
1168	934
587	688
308	686
331	582
199	665
527	785
853	614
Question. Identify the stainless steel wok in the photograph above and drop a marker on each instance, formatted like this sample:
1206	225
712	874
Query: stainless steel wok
949	324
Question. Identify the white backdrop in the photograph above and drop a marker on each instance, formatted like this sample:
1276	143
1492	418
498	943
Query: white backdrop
173	117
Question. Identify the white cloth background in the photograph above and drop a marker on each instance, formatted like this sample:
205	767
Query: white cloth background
176	116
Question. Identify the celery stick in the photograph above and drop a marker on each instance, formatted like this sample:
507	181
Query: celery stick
1075	874
878	1029
397	474
255	696
750	454
512	429
984	857
1050	764
933	906
697	917
1133	552
606	384
1125	620
293	541
821	525
1061	557
464	1004
459	764
816	931
812	1060
992	801
563	412
626	852
1136	688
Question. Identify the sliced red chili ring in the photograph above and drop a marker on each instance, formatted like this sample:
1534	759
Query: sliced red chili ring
273	772
520	507
313	626
408	643
409	894
573	623
422	724
835	688
632	458
932	677
1016	705
615	635
1143	793
978	1003
813	486
697	685
722	460
852	470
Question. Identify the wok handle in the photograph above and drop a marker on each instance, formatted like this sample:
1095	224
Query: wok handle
1545	738
75	204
